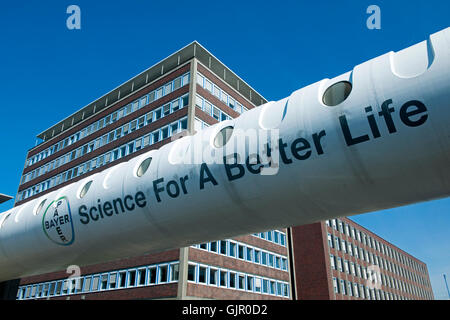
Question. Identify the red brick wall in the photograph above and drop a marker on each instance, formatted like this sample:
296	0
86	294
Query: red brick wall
310	263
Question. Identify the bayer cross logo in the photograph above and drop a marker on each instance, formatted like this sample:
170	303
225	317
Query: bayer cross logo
57	222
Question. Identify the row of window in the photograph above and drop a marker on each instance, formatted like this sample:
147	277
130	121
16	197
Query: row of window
231	279
113	117
110	156
274	236
112	280
369	257
239	250
371	242
199	124
356	290
219	93
210	109
110	137
343	265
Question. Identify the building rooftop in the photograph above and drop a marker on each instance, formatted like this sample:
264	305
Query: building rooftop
192	50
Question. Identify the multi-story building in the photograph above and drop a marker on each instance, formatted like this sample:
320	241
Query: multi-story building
180	95
339	259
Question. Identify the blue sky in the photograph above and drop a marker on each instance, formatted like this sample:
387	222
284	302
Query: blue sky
48	71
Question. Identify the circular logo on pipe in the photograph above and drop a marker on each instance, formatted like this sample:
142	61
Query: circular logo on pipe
57	222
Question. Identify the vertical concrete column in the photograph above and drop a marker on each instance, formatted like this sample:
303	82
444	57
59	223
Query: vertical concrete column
192	93
184	252
183	273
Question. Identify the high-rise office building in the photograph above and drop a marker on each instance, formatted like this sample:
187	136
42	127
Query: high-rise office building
180	95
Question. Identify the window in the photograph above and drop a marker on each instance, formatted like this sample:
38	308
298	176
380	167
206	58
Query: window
155	136
249	254
122	279
346	267
185	79
232	249
223	278
265	286
149	117
213	246
213	273
87	285
232	280
191	272
159	93
257	284
337	242
270	259
217	92
165	133
152	275
143	101
112	280
163	274
257	256
175	105
174	271
199	102
223	247
349	288
272	287
264	258
200	79
339	264
332	262
177	83
141	277
335	285
241	282
166	109
208	107
330	241
224	98
343	287
133	125
184	100
157	113
202	274
249	283
208	85
168	88
184	124
277	262
104	282
216	113
95	283
241	251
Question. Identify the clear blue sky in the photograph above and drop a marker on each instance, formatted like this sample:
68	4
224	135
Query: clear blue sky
47	71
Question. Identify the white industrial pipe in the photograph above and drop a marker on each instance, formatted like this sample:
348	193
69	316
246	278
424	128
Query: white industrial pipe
374	138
